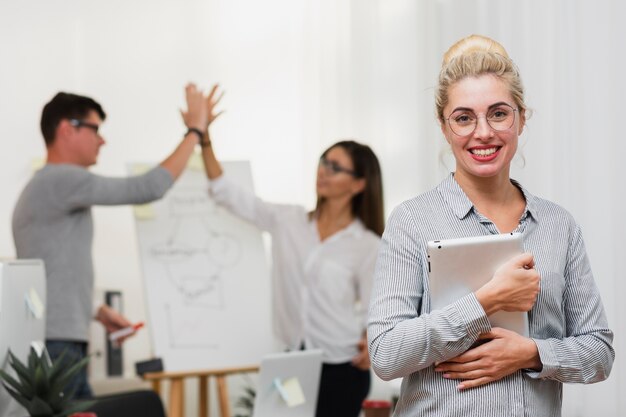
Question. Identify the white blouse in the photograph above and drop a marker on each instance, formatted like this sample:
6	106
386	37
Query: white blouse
321	289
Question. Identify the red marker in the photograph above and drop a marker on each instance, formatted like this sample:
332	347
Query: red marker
113	336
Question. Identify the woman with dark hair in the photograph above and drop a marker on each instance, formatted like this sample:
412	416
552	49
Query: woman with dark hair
323	264
368	204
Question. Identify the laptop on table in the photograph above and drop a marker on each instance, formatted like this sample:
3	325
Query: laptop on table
288	384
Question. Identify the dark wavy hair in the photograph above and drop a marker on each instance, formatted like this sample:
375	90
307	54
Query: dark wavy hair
368	204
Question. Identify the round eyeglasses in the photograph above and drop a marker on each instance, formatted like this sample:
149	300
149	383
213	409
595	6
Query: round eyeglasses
499	117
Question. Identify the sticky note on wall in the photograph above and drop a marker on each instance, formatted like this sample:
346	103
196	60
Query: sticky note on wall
34	303
195	162
143	212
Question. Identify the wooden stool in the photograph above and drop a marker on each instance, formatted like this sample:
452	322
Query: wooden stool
176	406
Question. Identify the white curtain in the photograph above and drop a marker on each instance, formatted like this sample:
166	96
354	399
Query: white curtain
571	57
301	74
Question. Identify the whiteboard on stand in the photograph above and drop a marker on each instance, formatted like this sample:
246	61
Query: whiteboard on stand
205	275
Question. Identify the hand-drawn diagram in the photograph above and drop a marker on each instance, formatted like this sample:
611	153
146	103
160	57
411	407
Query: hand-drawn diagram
208	250
203	270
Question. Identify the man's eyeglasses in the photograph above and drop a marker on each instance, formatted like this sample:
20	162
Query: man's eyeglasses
80	123
499	117
332	167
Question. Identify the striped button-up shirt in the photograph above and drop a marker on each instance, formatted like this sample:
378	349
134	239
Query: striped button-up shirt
406	338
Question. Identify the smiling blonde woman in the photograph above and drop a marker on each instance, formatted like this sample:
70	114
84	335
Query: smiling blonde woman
481	111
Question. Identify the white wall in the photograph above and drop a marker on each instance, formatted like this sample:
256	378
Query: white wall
300	74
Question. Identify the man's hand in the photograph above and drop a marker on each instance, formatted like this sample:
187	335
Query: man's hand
196	115
112	321
503	353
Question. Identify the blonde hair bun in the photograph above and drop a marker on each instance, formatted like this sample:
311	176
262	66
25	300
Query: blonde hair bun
471	44
474	56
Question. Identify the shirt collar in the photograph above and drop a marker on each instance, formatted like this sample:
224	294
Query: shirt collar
532	205
461	205
452	193
354	229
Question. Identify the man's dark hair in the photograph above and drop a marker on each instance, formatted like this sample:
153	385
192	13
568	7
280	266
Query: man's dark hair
66	106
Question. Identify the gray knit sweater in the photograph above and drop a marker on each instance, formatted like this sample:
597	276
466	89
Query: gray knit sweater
52	221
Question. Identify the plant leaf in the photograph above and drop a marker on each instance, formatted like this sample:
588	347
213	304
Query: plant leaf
65	377
39	407
58	365
58	394
246	401
25	402
76	407
58	386
58	400
22	371
32	361
9	380
42	385
45	365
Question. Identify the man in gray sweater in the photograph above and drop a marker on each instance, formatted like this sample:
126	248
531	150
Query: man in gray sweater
52	219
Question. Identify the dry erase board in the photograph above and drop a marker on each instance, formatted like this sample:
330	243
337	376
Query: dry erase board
206	276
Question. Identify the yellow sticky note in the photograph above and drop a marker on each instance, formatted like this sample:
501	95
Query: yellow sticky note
293	391
34	303
138	169
195	162
144	212
37	163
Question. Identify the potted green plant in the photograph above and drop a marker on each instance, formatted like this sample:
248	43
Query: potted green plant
40	386
246	402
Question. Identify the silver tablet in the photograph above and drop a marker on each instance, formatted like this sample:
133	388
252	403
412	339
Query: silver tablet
458	267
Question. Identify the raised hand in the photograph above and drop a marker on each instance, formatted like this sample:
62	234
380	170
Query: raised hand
196	115
213	100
